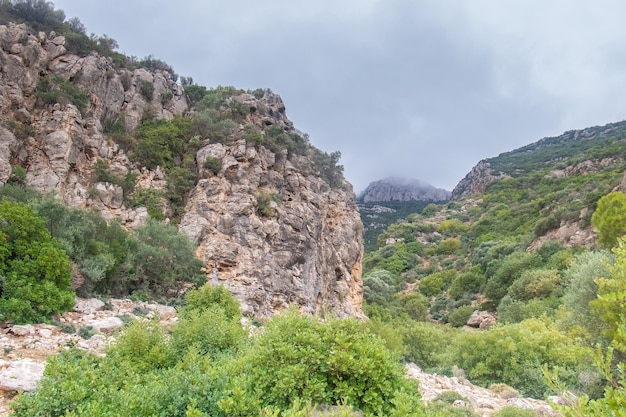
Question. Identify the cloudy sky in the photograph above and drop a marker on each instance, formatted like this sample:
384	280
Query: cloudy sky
414	88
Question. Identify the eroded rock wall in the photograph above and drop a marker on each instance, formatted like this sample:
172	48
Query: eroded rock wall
266	224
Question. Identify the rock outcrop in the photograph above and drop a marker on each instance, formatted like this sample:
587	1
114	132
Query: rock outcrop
276	236
402	189
267	225
475	182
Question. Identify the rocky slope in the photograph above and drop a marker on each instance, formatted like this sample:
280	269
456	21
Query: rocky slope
402	189
266	224
575	152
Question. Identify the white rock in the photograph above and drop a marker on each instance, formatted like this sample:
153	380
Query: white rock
22	331
21	376
88	306
106	325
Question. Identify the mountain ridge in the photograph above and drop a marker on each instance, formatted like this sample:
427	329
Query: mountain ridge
401	189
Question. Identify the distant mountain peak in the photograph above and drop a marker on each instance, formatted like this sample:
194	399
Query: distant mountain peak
402	189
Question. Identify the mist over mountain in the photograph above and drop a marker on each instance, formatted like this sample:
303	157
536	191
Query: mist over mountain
402	189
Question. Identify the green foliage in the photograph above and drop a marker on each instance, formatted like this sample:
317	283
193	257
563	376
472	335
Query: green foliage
426	344
209	332
534	283
434	284
34	269
57	89
331	362
18	175
195	93
152	200
86	332
39	14
146	88
510	270
327	166
610	218
209	296
170	145
377	286
466	283
452	227
513	354
164	259
459	316
581	289
265	201
213	164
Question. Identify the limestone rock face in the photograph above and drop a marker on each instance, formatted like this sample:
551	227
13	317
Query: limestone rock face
475	182
276	236
267	225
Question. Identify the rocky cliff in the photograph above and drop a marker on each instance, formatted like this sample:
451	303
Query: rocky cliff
267	223
402	189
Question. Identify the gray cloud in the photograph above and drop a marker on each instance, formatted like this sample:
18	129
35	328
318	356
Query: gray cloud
416	89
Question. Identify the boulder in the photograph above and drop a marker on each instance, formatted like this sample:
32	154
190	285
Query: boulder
482	319
106	325
21	375
88	305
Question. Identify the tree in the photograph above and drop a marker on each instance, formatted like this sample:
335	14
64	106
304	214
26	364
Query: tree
610	218
35	272
164	260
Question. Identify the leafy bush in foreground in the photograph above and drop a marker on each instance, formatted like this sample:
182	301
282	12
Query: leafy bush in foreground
34	270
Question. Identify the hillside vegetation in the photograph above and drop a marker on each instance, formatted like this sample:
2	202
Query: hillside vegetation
525	249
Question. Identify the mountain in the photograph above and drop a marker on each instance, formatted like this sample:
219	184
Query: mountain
402	189
272	216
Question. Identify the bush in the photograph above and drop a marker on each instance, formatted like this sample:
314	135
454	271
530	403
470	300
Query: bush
610	218
331	362
469	282
59	90
213	164
513	354
209	296
459	316
164	260
509	270
35	270
146	88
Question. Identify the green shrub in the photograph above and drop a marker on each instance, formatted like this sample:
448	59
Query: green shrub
437	282
86	332
331	362
459	316
208	331
213	164
508	271
146	88
513	354
34	268
264	200
610	218
469	282
209	296
164	260
18	175
152	200
56	89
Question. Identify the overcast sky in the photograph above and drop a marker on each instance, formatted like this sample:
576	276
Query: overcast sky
412	88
